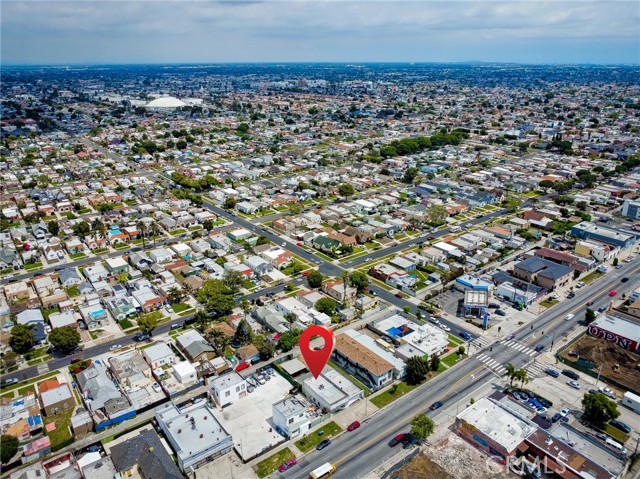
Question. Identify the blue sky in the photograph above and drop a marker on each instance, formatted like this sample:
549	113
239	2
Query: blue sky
334	30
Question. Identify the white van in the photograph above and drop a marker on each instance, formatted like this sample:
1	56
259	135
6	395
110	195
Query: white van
455	229
616	446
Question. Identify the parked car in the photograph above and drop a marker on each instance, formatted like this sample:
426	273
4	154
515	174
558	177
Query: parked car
620	425
434	320
398	439
552	372
141	337
287	465
574	384
556	417
609	393
242	366
435	405
114	347
628	260
156	387
499	312
464	335
353	426
323	444
579	284
444	327
10	381
571	295
494	305
399	295
571	374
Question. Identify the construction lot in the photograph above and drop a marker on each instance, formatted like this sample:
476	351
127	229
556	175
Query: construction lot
617	363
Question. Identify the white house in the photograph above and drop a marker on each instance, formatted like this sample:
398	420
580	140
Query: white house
227	389
290	416
158	355
185	373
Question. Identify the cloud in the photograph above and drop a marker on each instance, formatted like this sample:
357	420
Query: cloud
305	30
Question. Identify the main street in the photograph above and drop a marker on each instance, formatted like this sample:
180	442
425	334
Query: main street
357	453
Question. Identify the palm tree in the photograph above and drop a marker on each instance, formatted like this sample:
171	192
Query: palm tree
521	375
510	372
141	226
98	228
174	295
202	319
154	233
216	337
245	306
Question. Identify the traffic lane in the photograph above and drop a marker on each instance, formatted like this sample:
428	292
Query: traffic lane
401	303
383	425
436	234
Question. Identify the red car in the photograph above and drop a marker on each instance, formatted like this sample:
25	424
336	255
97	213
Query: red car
399	295
287	464
299	244
353	426
398	439
613	293
242	366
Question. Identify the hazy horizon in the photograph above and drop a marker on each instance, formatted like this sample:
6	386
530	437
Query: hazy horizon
209	32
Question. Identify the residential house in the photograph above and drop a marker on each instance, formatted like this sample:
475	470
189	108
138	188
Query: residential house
145	456
290	417
97	387
194	346
158	355
227	389
69	277
375	371
336	289
56	399
278	257
543	273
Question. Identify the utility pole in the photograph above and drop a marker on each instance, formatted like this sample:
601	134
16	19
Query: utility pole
599	372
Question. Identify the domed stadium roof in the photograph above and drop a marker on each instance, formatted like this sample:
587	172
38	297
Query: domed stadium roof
166	102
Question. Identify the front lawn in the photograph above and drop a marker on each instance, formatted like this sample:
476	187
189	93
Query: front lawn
101	251
590	278
616	433
313	439
180	307
33	266
547	303
451	359
73	291
394	392
125	323
77	256
153	315
271	463
454	339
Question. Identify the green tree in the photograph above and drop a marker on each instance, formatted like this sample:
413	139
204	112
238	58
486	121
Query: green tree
346	190
288	341
65	339
510	372
216	297
147	323
8	447
521	376
359	280
294	208
262	240
417	369
232	280
589	316
434	364
598	409
217	339
229	203
53	227
174	295
410	175
264	346
436	214
326	305
615	262
22	338
202	319
422	427
81	229
207	225
243	332
315	279
461	350
243	129
9	359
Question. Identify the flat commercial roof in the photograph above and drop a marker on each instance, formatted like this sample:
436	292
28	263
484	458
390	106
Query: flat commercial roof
331	386
617	325
497	423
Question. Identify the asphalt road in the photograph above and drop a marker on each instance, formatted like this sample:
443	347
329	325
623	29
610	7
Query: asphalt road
357	453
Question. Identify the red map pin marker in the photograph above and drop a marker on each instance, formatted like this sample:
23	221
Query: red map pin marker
317	360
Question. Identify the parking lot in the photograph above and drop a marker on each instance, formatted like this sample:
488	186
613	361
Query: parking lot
248	419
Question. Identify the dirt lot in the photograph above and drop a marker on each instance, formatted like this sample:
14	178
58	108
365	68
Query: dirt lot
599	351
449	457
